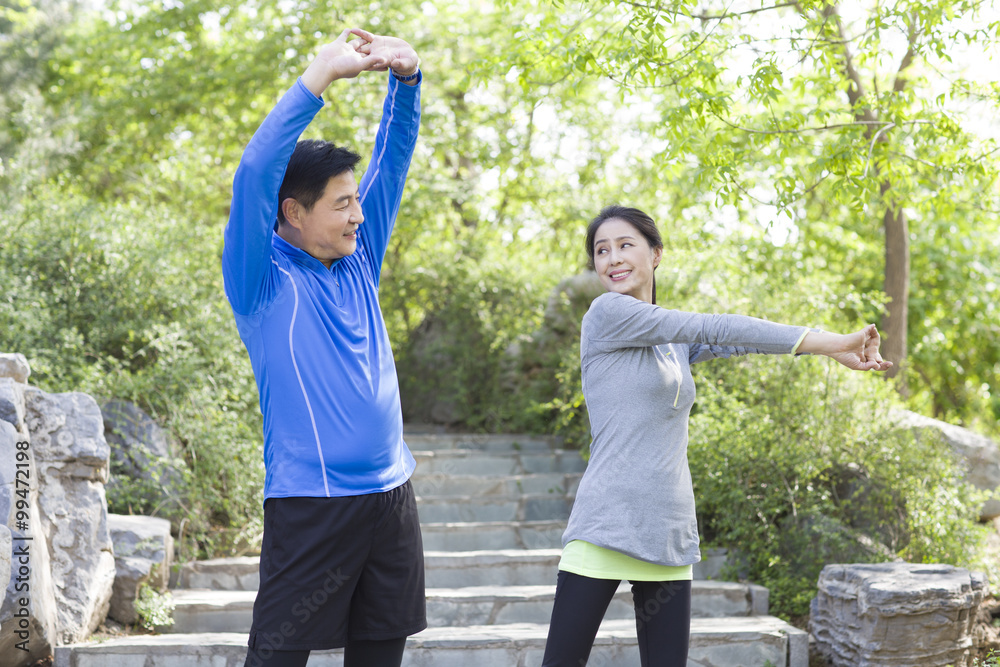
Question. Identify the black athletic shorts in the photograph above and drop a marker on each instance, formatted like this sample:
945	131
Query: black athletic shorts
339	568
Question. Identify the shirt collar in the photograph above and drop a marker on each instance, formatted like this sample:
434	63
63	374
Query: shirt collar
298	255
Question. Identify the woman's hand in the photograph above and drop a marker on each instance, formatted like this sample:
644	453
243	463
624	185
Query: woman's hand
858	351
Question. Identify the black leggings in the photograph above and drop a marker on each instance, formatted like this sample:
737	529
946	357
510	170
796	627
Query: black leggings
662	620
357	653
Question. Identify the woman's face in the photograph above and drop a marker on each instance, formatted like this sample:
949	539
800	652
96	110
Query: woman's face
624	260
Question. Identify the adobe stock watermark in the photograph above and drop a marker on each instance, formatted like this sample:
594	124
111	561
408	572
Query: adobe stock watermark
647	607
20	560
651	606
302	611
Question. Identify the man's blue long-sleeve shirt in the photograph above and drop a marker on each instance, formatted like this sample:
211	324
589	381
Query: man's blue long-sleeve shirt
316	337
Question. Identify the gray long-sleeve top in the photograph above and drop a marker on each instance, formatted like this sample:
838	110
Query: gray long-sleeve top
636	495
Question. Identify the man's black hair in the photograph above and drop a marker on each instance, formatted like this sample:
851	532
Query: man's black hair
313	163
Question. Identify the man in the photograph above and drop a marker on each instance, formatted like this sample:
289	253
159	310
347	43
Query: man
341	560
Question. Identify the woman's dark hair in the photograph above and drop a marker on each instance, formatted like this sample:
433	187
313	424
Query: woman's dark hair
633	216
312	164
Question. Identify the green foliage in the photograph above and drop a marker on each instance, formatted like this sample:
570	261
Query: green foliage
821	122
155	609
122	128
991	660
543	381
158	491
452	365
565	413
796	465
125	301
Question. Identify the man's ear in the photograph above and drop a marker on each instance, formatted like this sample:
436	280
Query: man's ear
290	209
657	256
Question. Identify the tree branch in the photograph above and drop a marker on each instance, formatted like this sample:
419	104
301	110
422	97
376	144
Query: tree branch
683	55
714	17
869	124
911	40
856	91
812	42
801	195
878	134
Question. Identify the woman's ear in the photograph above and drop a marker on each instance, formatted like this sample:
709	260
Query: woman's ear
657	256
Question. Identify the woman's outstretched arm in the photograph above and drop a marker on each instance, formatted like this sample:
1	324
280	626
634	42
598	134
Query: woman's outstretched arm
858	351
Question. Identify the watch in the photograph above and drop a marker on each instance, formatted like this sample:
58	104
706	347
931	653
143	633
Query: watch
408	77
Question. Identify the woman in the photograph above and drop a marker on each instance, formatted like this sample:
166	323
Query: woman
634	515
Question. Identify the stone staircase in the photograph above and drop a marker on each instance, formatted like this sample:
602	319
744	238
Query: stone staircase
492	509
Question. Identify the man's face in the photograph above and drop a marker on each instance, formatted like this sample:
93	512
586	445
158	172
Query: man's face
329	230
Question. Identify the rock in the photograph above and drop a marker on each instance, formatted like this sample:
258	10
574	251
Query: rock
569	302
560	327
72	457
14	366
140	452
5	554
434	380
980	455
143	555
896	614
136	440
12	403
67	434
31	611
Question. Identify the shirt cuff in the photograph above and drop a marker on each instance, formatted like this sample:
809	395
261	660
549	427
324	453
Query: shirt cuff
795	350
420	79
308	93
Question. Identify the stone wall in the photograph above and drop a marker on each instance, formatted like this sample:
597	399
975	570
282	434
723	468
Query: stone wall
67	436
53	466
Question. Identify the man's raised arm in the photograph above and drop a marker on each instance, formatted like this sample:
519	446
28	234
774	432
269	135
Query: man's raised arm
381	186
247	249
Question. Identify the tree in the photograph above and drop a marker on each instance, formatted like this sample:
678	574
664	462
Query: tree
33	140
805	115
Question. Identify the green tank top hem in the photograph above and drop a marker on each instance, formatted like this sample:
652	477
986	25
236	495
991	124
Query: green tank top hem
590	560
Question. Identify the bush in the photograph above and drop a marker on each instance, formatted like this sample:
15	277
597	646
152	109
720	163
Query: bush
796	465
126	301
452	366
154	609
794	461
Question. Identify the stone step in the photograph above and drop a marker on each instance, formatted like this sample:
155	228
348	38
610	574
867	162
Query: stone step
232	611
481	442
498	605
444	484
492	535
237	573
443	569
526	567
526	507
753	641
500	567
474	462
